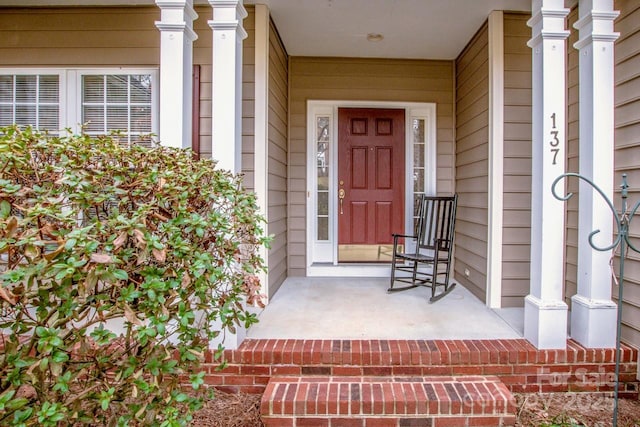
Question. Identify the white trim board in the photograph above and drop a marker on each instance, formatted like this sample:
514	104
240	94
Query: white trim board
496	160
322	256
261	114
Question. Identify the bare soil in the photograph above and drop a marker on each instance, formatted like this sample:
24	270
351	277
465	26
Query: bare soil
556	409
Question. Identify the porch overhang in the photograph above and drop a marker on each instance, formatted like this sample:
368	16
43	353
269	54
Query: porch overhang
414	29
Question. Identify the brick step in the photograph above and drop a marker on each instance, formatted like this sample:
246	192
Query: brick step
436	401
519	365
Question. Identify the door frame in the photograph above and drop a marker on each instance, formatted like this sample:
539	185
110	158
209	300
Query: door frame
322	256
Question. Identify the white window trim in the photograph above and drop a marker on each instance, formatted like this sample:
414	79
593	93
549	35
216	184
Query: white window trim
71	90
318	262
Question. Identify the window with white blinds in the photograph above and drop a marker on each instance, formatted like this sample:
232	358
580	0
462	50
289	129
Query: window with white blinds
30	99
100	101
118	102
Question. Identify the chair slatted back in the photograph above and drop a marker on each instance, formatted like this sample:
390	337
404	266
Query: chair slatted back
437	222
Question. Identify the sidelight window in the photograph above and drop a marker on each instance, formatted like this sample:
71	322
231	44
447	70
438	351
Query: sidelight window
323	140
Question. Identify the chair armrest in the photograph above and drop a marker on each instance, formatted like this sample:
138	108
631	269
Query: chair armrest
405	235
396	237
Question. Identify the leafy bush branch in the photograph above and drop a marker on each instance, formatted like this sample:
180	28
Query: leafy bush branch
118	267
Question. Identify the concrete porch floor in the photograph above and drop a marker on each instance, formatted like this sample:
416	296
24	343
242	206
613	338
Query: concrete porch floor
360	308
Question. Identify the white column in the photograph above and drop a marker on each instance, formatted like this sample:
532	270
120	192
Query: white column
228	34
545	313
176	68
593	313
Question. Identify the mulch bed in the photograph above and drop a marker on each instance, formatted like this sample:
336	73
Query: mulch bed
556	409
230	410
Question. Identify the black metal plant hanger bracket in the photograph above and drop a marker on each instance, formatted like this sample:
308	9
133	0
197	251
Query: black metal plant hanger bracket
622	221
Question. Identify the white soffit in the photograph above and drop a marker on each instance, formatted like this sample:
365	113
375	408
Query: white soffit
419	29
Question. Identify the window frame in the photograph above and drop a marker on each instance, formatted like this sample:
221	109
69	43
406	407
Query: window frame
155	92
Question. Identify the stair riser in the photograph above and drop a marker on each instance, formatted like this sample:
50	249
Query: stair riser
391	422
517	363
387	401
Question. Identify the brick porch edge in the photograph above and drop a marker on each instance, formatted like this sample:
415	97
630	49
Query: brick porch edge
519	365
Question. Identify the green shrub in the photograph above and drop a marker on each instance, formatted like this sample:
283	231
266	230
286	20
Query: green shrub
118	267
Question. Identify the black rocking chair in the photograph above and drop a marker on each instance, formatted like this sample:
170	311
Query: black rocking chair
433	240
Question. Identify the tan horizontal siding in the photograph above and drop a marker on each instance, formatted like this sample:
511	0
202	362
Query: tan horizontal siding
118	37
472	150
74	37
517	159
277	162
349	79
572	160
248	94
627	155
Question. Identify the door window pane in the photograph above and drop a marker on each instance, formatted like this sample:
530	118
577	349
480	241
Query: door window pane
323	229
323	203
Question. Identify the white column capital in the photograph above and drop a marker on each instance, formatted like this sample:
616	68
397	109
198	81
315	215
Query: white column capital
228	16
548	22
177	16
228	6
596	25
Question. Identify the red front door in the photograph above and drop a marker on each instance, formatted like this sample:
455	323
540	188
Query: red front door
371	159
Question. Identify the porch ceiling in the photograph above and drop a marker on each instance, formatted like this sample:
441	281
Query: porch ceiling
419	29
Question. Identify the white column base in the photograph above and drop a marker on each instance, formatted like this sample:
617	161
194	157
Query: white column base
545	323
593	322
230	341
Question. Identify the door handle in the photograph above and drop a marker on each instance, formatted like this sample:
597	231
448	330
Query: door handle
341	198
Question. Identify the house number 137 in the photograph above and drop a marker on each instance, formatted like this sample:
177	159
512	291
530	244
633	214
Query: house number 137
555	142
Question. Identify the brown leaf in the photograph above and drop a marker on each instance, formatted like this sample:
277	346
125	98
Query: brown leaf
101	258
82	290
48	230
91	279
186	280
8	296
142	257
130	315
120	240
51	255
198	354
139	236
12	226
159	254
31	252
